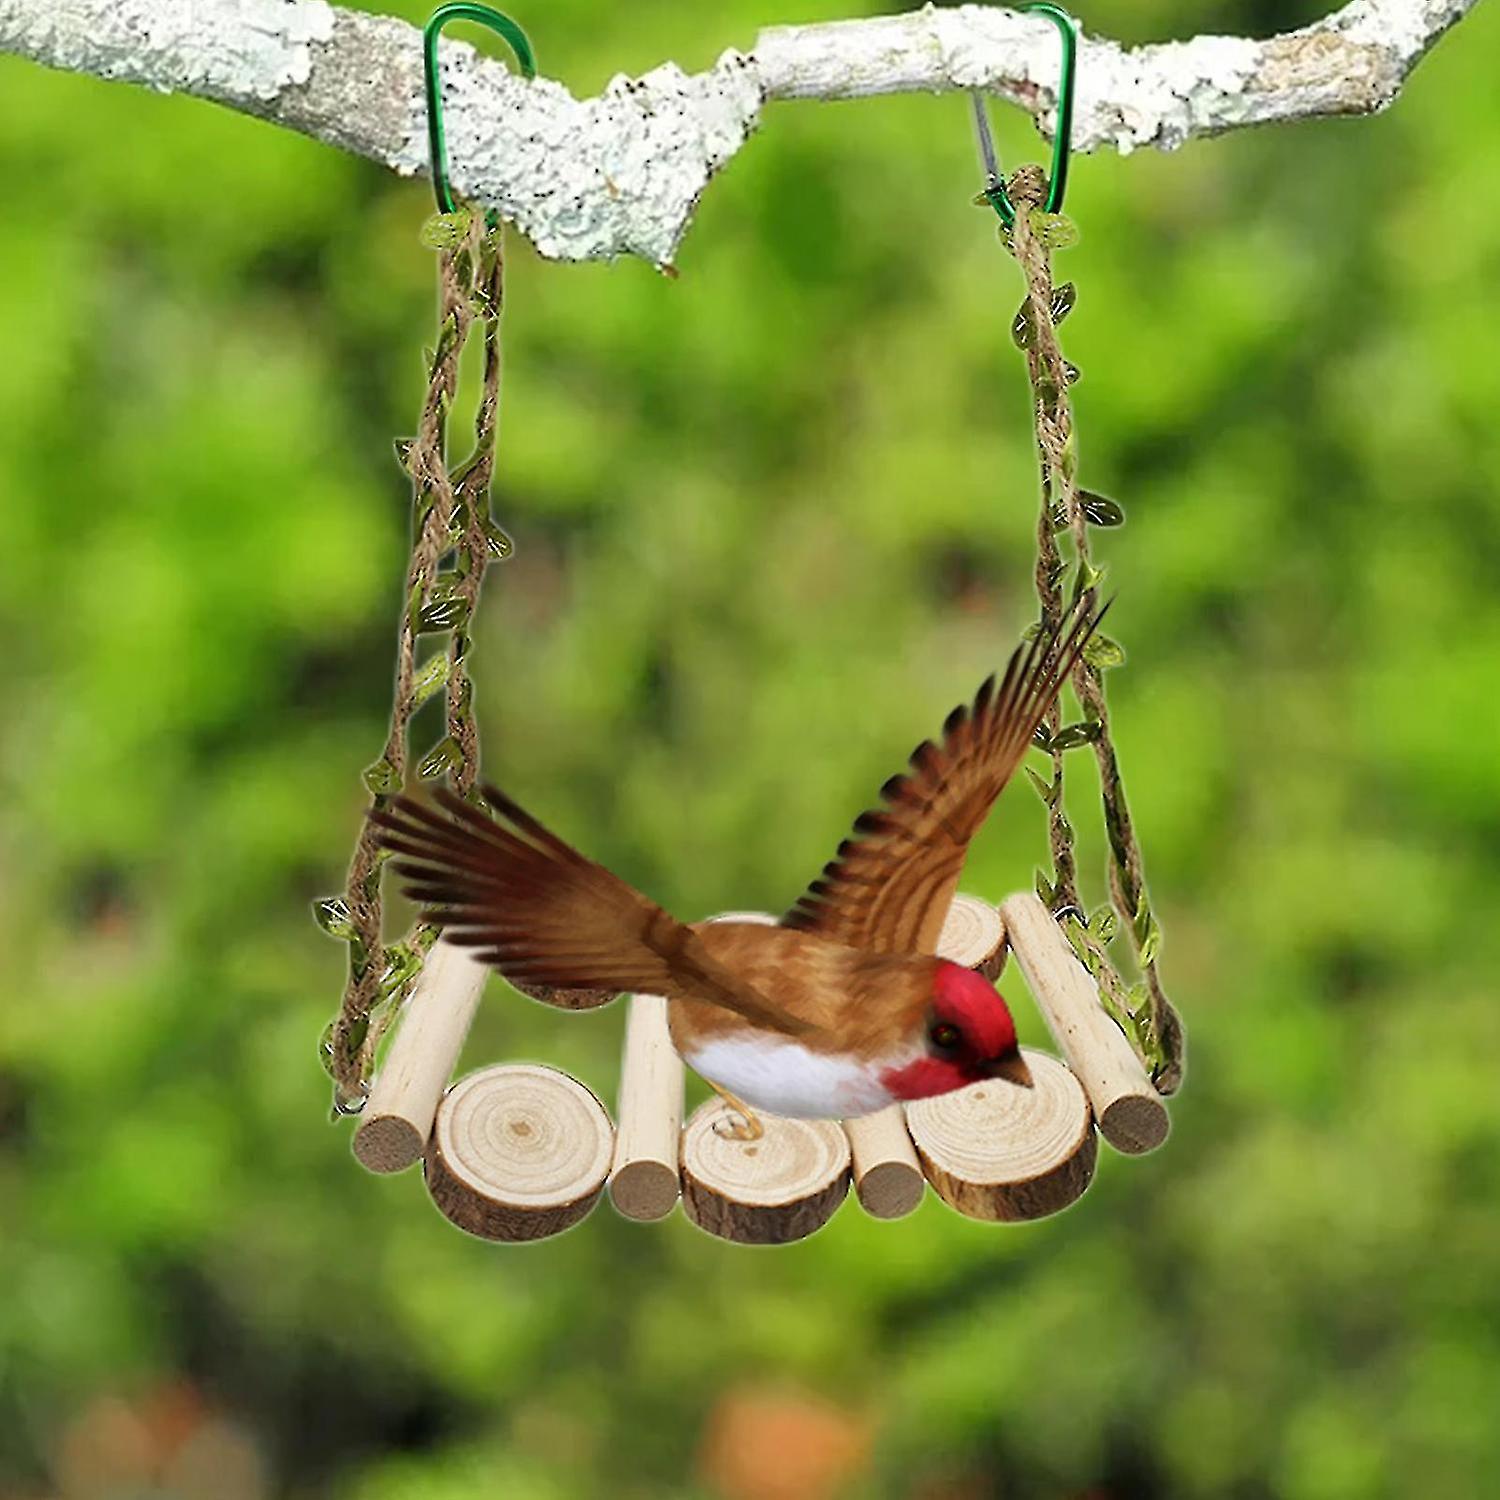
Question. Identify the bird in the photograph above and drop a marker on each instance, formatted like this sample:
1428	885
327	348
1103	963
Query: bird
840	1009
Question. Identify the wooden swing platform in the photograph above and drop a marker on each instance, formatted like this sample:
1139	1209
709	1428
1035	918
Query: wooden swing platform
519	1151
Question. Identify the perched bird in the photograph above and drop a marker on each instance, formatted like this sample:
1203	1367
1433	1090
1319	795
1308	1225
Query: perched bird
840	1009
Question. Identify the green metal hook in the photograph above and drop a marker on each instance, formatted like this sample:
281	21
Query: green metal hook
460	10
1062	140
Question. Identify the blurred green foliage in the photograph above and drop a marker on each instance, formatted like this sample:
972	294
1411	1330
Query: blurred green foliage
772	520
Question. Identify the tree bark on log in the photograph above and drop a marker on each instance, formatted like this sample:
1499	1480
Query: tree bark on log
621	173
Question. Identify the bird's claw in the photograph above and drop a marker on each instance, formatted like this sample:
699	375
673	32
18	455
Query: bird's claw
746	1128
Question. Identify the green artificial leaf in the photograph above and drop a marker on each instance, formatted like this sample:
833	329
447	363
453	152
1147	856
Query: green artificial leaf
430	678
1023	328
1100	510
1104	924
442	614
496	541
1062	300
1068	461
445	587
448	338
1055	231
1071	373
332	915
1040	738
1075	736
325	1049
1048	791
1103	653
402	964
1088	577
444	231
1045	890
441	759
1152	945
382	778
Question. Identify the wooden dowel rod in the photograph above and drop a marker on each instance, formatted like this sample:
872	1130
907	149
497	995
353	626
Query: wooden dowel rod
397	1119
1131	1115
643	1183
887	1175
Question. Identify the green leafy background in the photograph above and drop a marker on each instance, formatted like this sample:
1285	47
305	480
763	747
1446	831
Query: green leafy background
772	520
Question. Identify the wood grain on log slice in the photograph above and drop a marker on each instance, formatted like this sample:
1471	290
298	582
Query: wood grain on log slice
995	1150
769	1191
560	999
887	1175
397	1118
973	935
1131	1114
643	1182
519	1152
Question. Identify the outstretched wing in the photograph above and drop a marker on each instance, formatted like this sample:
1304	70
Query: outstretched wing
543	914
889	887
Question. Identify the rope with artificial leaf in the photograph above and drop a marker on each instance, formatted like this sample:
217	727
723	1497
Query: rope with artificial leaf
1031	227
454	538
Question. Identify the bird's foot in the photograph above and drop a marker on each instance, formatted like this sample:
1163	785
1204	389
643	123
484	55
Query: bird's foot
746	1128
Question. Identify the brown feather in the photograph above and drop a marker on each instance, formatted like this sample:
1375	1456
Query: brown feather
852	1001
889	889
541	913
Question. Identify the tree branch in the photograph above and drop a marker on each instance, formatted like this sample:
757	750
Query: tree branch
589	179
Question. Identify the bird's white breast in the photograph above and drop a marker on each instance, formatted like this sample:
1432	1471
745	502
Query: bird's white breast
783	1077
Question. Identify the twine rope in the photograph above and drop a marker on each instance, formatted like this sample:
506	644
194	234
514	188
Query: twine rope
450	516
1142	1010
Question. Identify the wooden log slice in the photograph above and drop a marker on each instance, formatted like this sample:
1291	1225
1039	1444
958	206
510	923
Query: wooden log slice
973	935
995	1150
770	1191
560	999
518	1152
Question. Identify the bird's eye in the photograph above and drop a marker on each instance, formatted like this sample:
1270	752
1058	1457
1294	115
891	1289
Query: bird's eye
944	1035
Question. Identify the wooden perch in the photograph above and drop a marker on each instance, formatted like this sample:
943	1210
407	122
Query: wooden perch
887	1175
643	1181
621	173
519	1152
769	1191
995	1150
397	1119
1131	1115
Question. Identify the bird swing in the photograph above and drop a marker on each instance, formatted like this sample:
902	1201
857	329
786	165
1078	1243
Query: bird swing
863	1027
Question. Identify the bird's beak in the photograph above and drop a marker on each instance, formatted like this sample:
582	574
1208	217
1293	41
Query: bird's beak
1012	1068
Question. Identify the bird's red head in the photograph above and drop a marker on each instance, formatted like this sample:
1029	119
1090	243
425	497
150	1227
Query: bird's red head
968	1034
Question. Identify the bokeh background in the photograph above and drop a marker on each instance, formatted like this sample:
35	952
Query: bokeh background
772	520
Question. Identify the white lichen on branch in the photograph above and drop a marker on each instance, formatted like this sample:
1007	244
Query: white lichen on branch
620	174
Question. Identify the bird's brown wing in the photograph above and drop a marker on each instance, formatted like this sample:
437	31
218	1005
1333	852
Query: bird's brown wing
541	913
889	888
